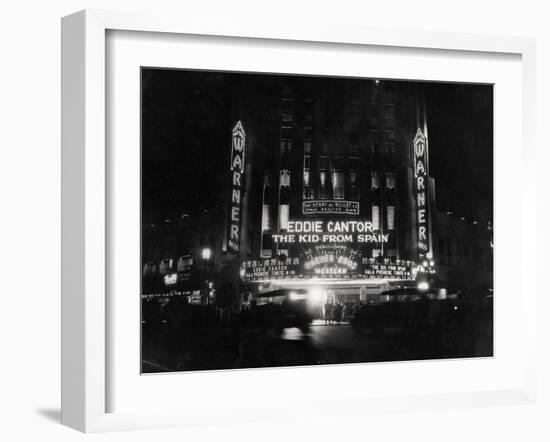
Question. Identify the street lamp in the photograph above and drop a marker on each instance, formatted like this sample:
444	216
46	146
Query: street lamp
206	254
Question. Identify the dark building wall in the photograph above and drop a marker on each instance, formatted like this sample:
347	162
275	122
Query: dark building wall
182	241
360	126
462	251
359	131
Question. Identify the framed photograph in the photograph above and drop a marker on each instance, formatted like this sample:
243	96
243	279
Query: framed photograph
268	222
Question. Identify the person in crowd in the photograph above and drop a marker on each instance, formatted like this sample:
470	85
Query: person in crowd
338	313
328	313
345	311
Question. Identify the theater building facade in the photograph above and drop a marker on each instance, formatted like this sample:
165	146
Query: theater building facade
328	187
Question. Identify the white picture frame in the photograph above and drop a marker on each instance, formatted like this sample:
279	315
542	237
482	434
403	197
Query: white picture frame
85	213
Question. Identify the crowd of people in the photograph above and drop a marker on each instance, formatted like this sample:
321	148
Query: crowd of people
339	312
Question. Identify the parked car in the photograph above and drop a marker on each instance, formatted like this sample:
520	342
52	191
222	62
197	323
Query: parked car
404	310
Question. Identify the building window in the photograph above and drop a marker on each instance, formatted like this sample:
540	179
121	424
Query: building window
391	217
268	194
286	147
184	262
338	184
323	171
390	181
323	188
166	266
266	245
285	178
284	186
283	216
266	218
149	268
374	180
308	189
286	132
376	217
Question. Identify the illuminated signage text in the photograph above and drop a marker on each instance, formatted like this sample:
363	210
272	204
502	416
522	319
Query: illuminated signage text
330	206
329	232
325	265
170	279
237	171
421	192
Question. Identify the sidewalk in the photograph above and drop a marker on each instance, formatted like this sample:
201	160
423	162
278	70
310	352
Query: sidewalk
318	322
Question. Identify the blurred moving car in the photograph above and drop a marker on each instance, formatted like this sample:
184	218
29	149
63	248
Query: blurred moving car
283	308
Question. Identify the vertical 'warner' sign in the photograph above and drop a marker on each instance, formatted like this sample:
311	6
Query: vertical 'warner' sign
237	182
421	178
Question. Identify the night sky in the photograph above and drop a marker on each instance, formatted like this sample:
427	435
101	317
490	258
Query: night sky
187	117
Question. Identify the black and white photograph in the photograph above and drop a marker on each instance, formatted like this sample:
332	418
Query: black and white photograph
299	220
263	221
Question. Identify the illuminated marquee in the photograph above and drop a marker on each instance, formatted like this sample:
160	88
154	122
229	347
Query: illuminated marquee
330	260
390	271
237	182
320	232
331	206
421	192
269	268
333	264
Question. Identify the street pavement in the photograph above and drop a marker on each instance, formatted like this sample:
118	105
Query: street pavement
322	344
337	343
